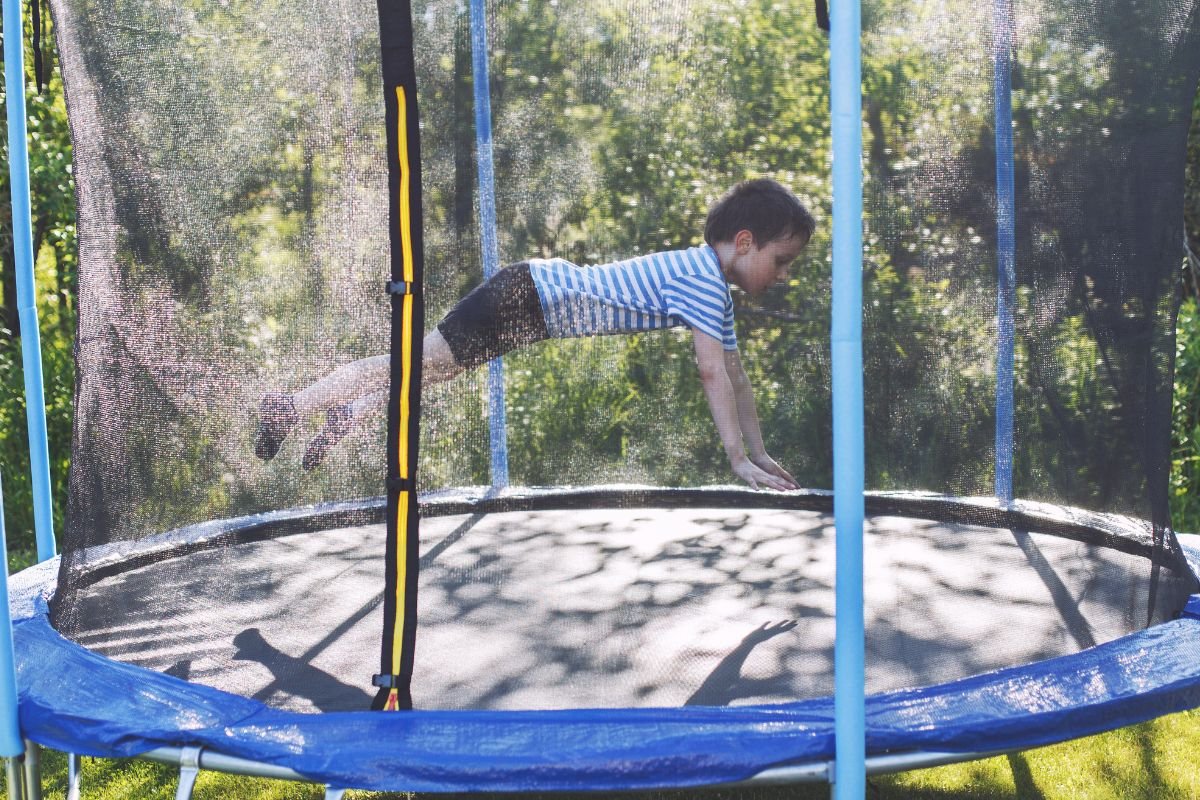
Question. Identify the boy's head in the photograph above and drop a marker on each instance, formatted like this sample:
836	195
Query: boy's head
764	207
758	228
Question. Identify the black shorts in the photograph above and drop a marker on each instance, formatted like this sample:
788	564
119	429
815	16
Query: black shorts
500	315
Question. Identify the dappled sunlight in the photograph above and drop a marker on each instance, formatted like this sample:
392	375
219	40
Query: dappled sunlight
612	607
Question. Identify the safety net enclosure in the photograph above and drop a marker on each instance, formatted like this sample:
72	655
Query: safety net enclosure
279	196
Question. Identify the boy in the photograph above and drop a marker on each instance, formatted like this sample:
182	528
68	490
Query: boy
753	234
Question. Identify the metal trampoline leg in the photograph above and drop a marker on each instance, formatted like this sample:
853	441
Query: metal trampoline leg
33	771
16	778
74	775
334	794
189	770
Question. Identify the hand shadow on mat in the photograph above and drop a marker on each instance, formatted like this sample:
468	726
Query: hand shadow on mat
292	676
726	684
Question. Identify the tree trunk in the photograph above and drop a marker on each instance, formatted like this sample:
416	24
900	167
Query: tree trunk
464	146
10	317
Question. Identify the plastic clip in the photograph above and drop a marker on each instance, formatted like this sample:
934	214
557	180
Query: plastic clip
402	484
386	681
399	287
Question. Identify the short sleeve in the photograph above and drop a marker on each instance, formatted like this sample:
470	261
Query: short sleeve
702	303
728	334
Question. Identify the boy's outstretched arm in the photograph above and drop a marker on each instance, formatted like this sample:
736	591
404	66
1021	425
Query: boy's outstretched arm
747	413
722	402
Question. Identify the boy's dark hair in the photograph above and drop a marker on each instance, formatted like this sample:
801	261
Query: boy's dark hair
764	207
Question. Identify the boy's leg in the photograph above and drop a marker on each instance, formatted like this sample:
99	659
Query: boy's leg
344	394
346	383
501	315
280	413
437	361
339	420
364	377
367	375
437	365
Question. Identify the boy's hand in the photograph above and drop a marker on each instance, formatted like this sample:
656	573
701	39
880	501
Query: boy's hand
768	464
758	477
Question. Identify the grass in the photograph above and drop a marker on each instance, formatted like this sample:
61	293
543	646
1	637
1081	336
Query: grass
1151	761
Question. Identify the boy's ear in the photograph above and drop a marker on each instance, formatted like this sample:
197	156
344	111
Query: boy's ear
743	240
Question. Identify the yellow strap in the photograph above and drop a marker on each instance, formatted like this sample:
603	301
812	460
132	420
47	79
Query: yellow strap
407	258
405	209
401	575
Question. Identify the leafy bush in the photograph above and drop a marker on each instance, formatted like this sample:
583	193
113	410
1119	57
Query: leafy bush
1185	439
53	207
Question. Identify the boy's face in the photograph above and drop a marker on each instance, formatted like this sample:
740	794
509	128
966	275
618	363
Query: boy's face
756	268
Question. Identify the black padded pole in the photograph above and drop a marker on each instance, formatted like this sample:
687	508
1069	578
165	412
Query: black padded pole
404	167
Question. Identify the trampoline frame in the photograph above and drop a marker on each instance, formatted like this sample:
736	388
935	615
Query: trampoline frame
1115	532
189	758
981	740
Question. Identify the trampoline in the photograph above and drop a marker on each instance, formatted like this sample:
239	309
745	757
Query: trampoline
687	599
570	594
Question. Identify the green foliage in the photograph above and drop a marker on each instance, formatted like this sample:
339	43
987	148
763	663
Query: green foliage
1185	437
58	373
1185	440
56	269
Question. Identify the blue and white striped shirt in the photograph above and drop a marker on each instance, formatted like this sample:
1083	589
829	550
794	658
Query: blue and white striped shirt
660	290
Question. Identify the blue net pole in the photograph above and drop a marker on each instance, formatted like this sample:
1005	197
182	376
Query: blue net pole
849	778
31	345
1005	246
11	743
497	422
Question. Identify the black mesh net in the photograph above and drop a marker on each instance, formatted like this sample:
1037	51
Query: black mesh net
234	232
236	217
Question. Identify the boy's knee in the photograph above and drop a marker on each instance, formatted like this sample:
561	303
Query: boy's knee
435	349
437	360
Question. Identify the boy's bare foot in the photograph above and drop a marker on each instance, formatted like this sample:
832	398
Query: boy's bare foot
276	418
338	421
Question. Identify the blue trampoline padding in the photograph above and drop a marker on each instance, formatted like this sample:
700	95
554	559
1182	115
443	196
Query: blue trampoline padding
74	700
